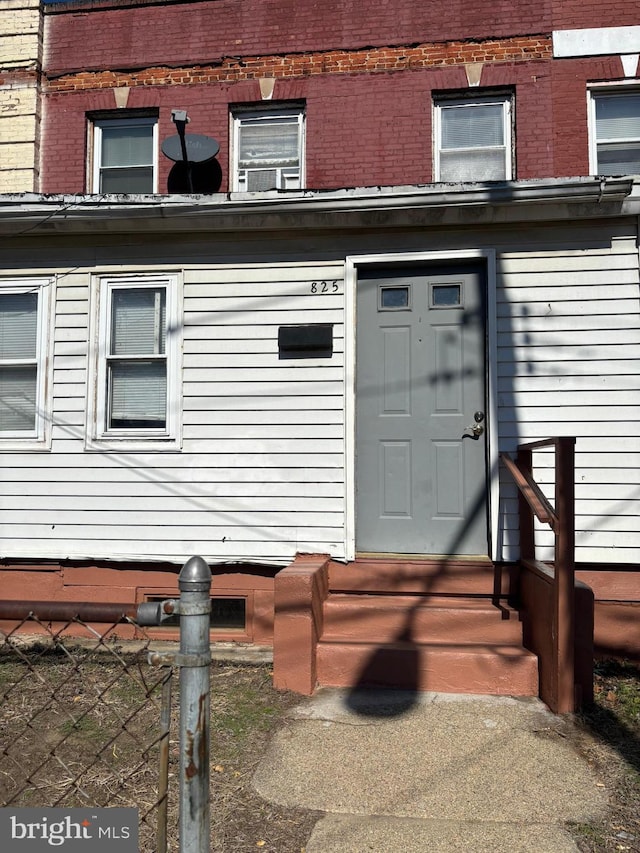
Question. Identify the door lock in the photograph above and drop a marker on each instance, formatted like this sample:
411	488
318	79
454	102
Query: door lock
476	429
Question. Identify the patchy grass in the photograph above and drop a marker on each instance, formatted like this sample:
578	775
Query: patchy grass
81	728
609	737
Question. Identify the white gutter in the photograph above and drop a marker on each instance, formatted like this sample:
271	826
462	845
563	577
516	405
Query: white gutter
29	214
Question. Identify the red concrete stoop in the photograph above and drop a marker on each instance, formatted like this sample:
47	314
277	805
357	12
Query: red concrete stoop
442	625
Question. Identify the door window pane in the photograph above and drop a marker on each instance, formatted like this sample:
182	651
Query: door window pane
446	295
394	298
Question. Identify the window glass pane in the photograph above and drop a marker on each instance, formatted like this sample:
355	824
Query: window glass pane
478	165
445	295
618	116
18	393
138	321
269	143
138	397
472	125
18	325
136	180
619	159
127	145
394	297
229	613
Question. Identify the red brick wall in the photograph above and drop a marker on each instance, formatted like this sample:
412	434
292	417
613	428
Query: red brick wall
362	130
203	32
368	109
578	14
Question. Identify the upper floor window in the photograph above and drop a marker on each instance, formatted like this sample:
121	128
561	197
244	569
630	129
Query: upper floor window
268	149
136	372
473	139
124	155
615	133
24	360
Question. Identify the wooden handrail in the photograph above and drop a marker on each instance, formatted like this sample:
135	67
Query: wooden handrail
531	492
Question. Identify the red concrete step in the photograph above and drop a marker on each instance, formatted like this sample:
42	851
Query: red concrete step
435	576
484	669
386	618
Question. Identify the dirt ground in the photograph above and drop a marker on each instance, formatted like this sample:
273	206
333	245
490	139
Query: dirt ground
608	735
80	728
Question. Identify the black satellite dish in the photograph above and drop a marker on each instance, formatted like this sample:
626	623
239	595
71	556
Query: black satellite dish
199	149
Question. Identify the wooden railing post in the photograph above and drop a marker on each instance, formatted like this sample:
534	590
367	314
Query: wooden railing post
524	461
563	588
559	648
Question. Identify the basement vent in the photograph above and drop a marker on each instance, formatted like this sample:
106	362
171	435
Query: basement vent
227	614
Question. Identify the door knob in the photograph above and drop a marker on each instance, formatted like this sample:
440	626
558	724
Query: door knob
476	429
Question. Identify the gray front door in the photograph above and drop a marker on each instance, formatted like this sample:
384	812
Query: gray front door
421	481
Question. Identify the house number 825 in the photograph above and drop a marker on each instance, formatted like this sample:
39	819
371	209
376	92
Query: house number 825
324	287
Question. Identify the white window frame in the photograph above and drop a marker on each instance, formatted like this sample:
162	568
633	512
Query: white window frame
631	87
244	115
95	146
38	438
99	435
505	100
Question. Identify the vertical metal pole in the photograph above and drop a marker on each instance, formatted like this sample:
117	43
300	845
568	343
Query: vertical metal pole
194	582
163	784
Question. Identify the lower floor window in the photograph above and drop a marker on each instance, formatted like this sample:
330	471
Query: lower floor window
136	374
23	360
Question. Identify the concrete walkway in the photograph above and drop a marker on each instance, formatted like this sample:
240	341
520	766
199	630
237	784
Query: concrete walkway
400	772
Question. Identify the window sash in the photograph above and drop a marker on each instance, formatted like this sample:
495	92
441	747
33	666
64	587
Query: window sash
18	398
473	140
124	152
137	394
268	150
616	129
136	368
22	361
136	364
18	326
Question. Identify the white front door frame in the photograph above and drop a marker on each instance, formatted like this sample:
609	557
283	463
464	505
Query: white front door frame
352	264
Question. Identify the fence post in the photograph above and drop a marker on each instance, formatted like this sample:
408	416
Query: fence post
194	582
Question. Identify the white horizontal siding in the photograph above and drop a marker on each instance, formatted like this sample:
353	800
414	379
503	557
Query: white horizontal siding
261	472
568	354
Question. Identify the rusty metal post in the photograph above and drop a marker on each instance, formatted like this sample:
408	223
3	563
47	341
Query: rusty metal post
194	582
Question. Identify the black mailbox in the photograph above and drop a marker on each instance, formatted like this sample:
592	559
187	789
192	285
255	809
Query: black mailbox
313	341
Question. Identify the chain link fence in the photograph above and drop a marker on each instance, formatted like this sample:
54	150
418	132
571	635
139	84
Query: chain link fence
85	721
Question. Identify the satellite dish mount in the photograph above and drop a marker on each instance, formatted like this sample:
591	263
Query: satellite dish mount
188	148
